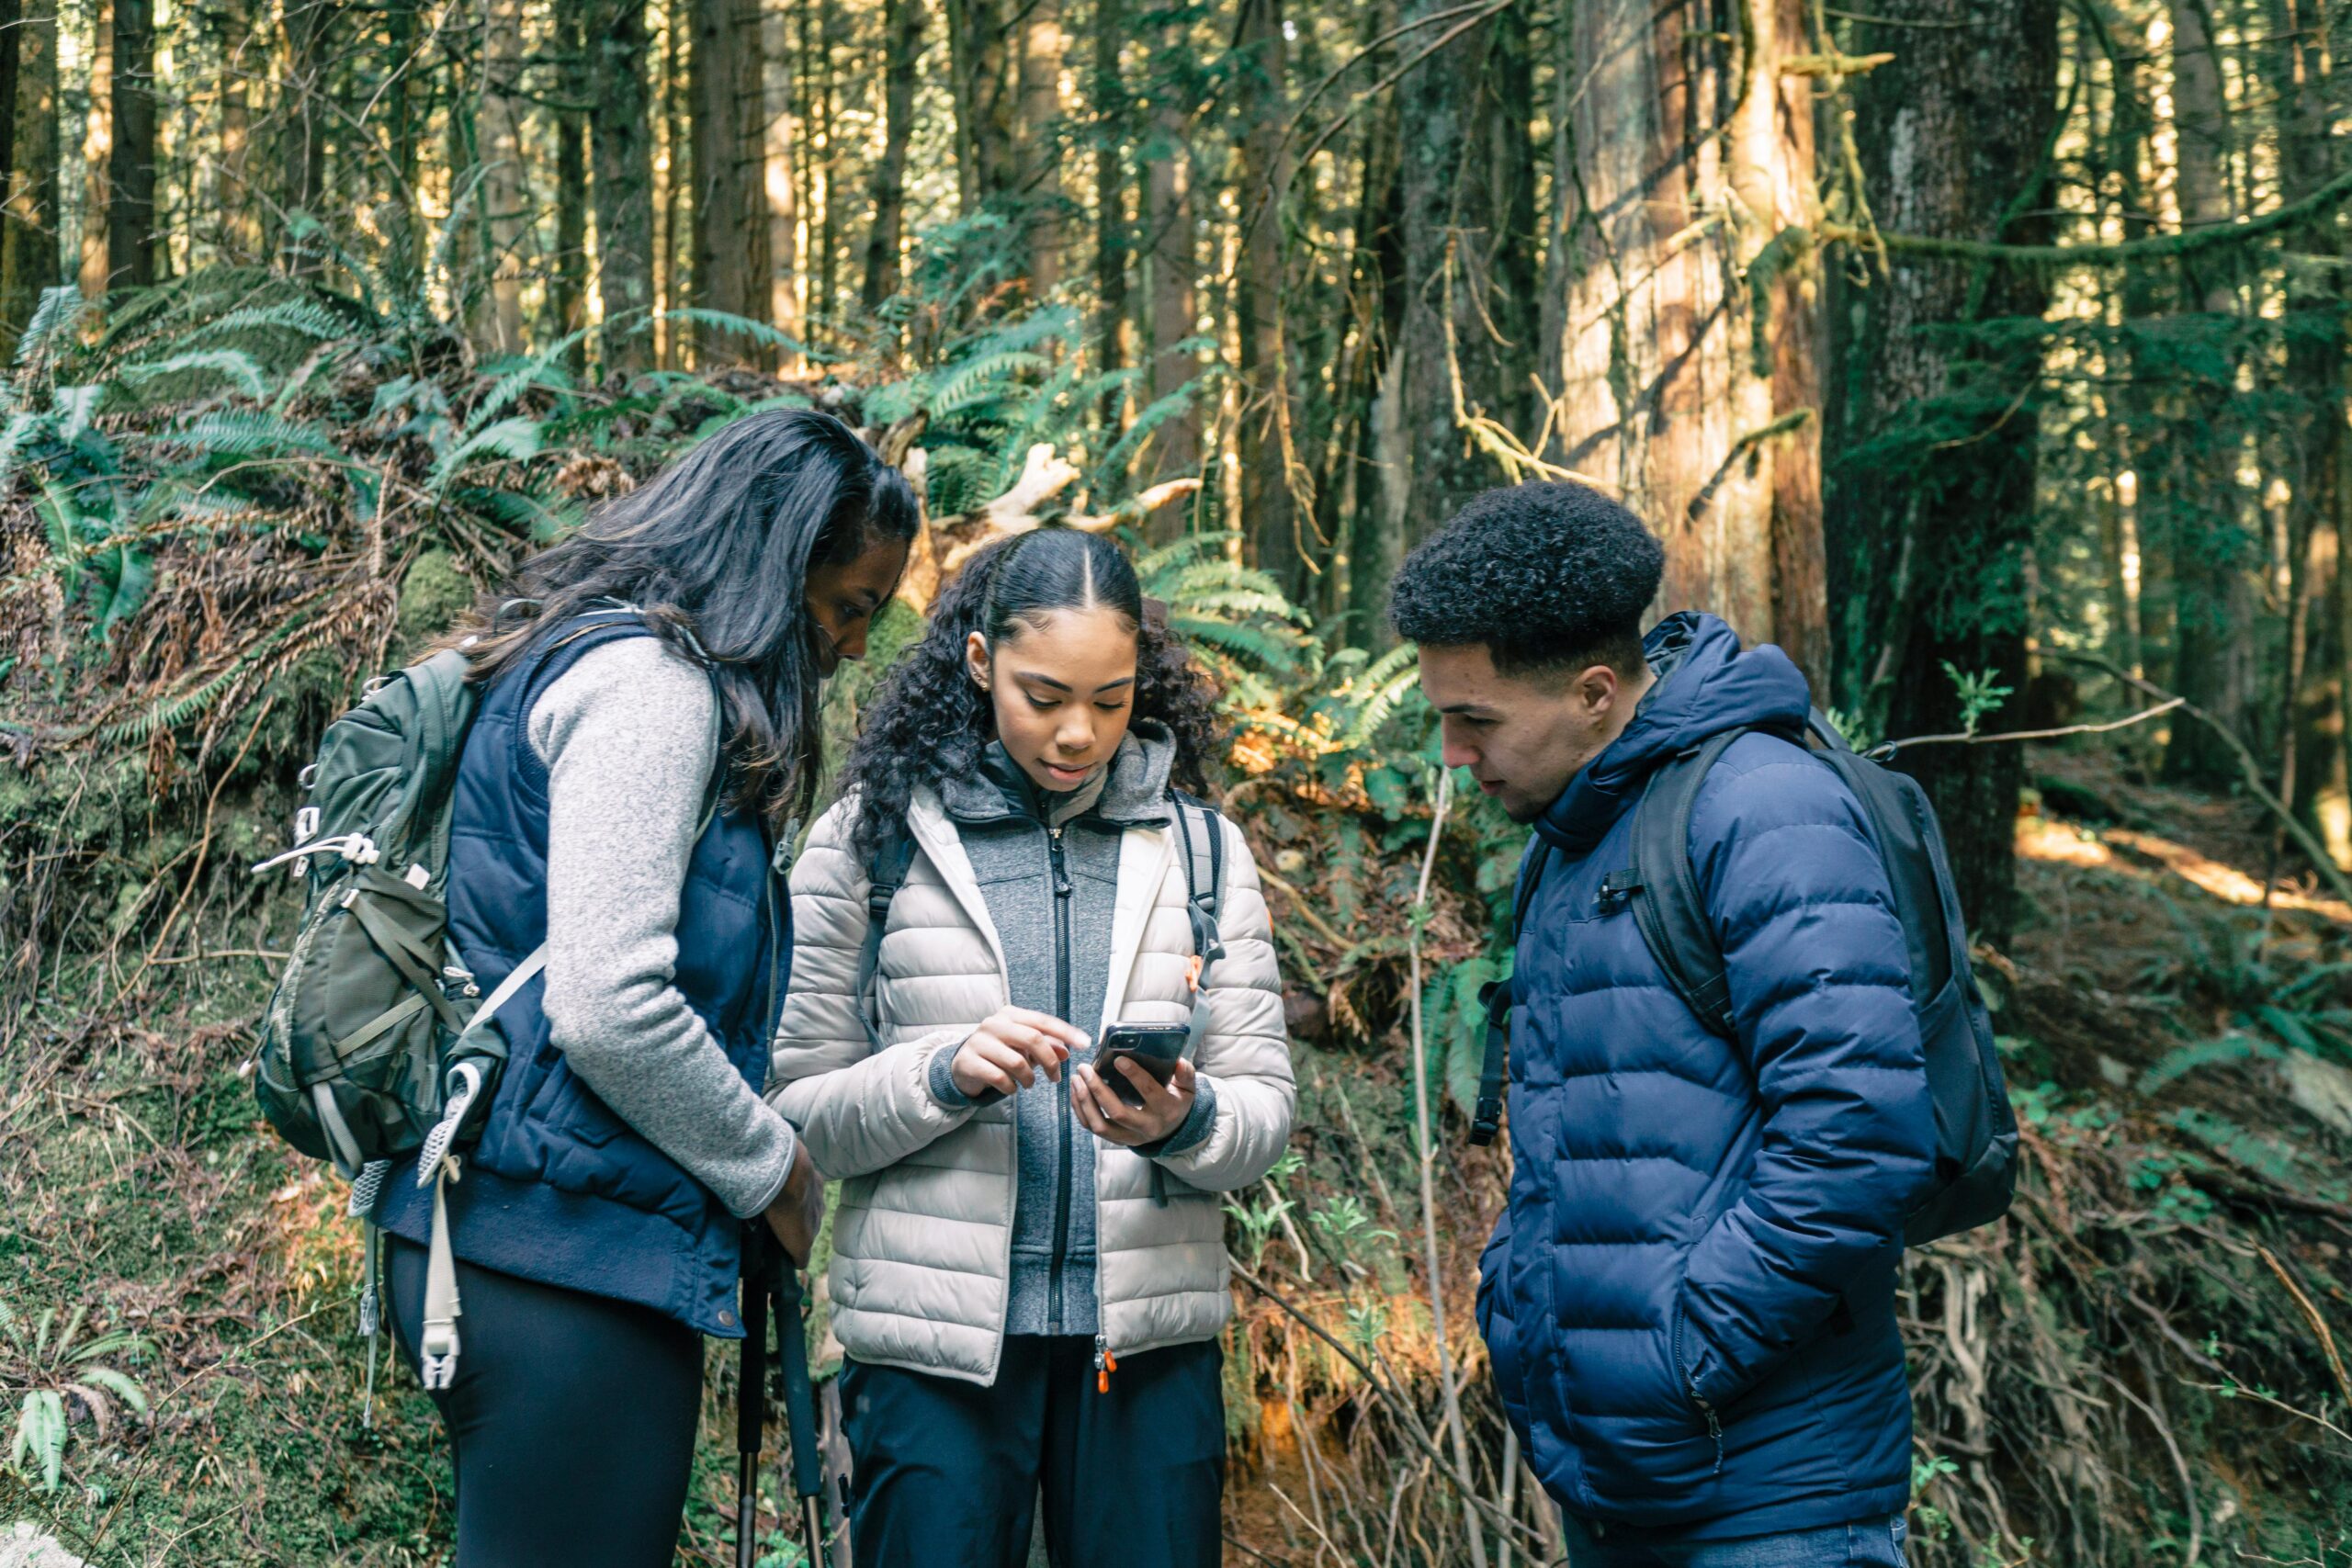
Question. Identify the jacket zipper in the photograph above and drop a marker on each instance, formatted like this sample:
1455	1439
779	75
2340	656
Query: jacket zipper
1714	1423
1062	891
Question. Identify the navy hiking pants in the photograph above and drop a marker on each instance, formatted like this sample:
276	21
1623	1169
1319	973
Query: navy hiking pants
947	1472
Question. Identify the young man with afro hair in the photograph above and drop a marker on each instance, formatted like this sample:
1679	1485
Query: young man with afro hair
1691	1296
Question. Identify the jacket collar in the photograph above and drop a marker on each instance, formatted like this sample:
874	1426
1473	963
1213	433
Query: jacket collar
1131	792
1704	683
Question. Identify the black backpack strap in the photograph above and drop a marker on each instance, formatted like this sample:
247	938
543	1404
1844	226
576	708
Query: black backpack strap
1202	829
886	873
1497	998
1664	885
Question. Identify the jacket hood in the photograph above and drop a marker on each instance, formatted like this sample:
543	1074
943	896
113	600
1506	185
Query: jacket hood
1131	790
1705	684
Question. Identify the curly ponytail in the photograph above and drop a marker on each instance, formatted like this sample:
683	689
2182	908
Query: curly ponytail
930	721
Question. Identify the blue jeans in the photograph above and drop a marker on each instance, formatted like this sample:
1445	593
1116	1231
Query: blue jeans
1867	1543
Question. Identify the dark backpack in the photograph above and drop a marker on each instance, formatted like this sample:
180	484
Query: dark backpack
1976	1134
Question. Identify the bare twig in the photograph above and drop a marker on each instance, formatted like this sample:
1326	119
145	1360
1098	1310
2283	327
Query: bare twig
1427	1150
1321	927
2141	717
1389	1397
2311	1316
2180	1465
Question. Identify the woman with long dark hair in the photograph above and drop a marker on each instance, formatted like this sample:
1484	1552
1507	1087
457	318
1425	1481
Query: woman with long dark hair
646	735
1029	1270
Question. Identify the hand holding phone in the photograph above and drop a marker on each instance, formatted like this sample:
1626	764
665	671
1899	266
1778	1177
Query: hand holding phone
1138	1089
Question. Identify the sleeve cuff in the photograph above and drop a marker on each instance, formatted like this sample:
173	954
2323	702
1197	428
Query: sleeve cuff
784	1172
1193	1130
941	1080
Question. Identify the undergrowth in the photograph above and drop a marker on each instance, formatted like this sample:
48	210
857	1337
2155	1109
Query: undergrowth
225	506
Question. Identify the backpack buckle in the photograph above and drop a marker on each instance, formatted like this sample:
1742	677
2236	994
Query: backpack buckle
306	824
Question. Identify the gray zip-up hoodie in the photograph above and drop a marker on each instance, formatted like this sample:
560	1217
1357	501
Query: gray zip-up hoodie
1048	863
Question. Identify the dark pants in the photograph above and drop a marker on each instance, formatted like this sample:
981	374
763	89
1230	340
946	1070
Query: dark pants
572	1419
1866	1543
947	1472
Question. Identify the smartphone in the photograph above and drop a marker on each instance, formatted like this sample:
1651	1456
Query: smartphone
1154	1047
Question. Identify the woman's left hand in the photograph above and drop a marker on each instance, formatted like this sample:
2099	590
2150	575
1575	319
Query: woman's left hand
1101	1112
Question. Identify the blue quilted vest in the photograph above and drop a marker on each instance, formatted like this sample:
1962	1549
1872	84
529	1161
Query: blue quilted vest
559	1190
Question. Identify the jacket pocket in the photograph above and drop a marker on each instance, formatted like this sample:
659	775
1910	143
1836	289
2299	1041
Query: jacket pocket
1685	1371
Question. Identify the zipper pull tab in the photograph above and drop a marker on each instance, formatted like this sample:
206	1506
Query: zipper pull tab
1715	1430
1105	1364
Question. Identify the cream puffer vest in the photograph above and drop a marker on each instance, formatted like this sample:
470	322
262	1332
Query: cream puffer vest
923	1236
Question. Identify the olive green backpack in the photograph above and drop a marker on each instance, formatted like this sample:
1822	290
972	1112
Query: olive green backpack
375	1044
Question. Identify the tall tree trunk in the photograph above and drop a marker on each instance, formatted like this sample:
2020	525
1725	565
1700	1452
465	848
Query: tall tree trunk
98	128
1110	112
28	246
671	179
2215	554
306	117
621	138
506	191
1172	260
1953	134
1369	486
1674	390
981	68
1777	173
573	94
1453	231
1041	45
403	71
781	112
825	155
13	19
732	264
230	203
1270	520
2313	769
902	33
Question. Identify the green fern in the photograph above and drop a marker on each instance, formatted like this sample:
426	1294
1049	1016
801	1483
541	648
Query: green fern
59	311
239	434
510	438
306	318
1114	462
743	326
534	370
233	364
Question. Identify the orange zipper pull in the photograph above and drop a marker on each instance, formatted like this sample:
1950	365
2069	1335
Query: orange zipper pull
1105	1364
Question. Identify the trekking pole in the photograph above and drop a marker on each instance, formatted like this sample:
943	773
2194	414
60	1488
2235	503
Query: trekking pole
799	1410
751	1407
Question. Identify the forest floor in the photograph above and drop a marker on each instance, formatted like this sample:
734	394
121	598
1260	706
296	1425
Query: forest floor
2186	1155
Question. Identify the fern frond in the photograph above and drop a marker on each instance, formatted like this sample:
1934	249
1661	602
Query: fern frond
239	434
234	364
1122	451
513	439
59	308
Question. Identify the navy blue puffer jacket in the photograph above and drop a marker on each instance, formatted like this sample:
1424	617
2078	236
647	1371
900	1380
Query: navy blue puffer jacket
1690	1300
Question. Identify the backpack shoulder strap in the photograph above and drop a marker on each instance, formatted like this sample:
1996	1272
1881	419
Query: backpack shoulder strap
1498	996
1202	828
1664	885
885	872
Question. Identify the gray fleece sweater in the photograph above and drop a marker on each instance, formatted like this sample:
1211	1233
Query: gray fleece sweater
627	734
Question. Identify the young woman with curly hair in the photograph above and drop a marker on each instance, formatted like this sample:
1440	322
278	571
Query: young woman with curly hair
1029	1267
